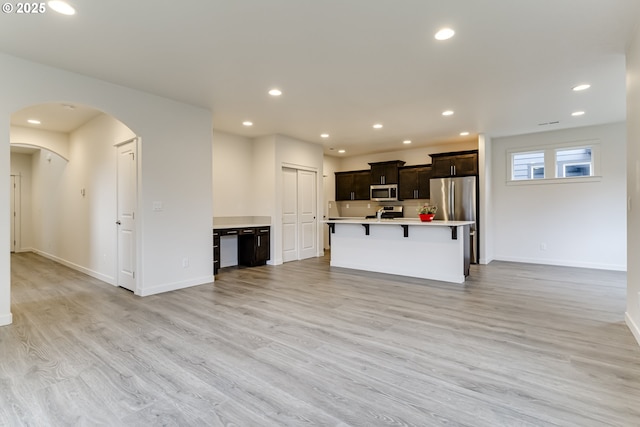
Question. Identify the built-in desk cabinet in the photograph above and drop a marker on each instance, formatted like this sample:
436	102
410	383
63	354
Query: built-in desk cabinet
216	251
253	245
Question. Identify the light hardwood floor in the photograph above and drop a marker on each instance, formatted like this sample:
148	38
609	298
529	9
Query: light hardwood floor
303	344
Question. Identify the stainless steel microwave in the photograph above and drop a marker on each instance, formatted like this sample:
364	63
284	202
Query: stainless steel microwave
384	193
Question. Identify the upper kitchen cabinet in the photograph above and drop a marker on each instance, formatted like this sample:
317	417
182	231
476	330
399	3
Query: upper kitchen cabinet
461	163
385	172
353	185
414	182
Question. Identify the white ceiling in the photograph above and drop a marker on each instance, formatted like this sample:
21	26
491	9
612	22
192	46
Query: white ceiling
344	65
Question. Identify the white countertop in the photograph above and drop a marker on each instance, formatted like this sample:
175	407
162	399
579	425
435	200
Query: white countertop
239	225
400	221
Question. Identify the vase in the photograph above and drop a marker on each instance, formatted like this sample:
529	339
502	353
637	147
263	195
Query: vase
426	217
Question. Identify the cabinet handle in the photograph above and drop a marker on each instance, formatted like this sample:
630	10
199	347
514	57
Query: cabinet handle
248	231
232	232
259	244
264	231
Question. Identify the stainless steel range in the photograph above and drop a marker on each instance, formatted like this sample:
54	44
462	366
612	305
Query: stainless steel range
389	212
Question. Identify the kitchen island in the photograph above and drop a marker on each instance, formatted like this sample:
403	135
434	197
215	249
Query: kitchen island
437	250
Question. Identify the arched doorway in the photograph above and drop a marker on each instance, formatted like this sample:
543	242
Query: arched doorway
69	175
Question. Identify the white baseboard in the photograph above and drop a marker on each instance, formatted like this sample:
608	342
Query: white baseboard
6	319
96	275
562	263
168	287
632	326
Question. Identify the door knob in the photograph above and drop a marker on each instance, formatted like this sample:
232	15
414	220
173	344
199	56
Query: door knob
118	222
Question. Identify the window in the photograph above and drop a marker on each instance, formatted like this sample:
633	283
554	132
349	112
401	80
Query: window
555	163
573	162
527	165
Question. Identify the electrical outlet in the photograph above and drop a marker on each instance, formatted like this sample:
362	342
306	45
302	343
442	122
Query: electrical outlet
543	246
185	262
368	205
347	205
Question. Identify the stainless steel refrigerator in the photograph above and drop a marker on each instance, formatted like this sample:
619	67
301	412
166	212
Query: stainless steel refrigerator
456	199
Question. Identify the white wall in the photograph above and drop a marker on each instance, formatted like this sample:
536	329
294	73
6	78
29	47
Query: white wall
582	224
56	142
175	168
330	166
633	186
21	166
233	183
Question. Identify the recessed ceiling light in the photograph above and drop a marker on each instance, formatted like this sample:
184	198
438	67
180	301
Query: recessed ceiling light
464	133
447	113
247	123
577	113
406	141
33	121
444	34
341	151
324	135
275	92
377	126
62	7
582	87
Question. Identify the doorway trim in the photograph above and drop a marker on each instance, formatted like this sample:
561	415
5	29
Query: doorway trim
16	213
279	209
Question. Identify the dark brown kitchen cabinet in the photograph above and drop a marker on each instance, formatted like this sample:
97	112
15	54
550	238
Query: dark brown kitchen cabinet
385	172
353	185
414	182
253	246
462	163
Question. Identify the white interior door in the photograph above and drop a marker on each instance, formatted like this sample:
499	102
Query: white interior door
307	208
289	214
127	198
299	215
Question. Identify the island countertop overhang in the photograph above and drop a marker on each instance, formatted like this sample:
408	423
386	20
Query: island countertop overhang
402	221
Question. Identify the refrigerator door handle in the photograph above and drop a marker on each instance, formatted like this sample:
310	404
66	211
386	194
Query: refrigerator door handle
452	199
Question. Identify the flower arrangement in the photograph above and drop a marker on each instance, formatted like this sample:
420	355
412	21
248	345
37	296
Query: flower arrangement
427	209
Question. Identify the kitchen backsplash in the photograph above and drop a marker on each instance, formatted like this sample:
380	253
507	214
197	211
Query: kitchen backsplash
362	208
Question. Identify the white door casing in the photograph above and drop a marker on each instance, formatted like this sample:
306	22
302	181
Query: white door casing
299	214
15	213
127	202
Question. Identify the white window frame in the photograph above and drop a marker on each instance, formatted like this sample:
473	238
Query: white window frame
550	163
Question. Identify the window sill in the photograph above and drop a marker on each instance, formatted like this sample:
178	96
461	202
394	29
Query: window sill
544	181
